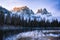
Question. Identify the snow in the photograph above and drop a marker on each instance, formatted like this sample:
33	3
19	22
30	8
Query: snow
36	34
54	35
32	34
29	14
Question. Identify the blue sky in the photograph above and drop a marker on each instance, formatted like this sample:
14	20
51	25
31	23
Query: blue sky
52	6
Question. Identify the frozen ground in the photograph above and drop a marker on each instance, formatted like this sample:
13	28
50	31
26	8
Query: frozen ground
33	35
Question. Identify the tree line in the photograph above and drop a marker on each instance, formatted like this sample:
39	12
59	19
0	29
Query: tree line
18	21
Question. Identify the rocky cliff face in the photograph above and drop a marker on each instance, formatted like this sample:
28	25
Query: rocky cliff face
39	11
23	10
42	11
45	11
20	8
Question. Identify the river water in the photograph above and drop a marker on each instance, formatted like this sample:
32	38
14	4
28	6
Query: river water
15	33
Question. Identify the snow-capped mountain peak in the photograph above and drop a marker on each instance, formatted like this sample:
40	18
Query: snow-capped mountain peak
28	13
44	11
39	11
22	10
42	14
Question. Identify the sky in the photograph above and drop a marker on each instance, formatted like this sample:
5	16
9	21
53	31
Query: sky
52	6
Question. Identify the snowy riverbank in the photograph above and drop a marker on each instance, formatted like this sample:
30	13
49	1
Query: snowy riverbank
34	35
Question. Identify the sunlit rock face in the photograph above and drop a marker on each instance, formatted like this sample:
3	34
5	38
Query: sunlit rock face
39	11
20	8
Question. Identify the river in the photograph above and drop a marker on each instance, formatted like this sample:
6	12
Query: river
15	33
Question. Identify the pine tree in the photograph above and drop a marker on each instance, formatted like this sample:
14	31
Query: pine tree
1	17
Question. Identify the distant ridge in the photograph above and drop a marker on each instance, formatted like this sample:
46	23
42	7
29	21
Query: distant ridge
4	10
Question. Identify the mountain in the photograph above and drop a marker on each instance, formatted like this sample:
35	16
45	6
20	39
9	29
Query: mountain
5	15
27	13
26	17
39	11
23	10
42	14
20	8
44	11
5	11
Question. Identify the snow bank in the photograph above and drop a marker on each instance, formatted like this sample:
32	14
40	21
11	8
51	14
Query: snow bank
39	35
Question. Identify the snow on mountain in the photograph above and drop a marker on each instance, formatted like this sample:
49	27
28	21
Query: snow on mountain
42	14
39	11
4	11
23	10
45	15
28	13
44	11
